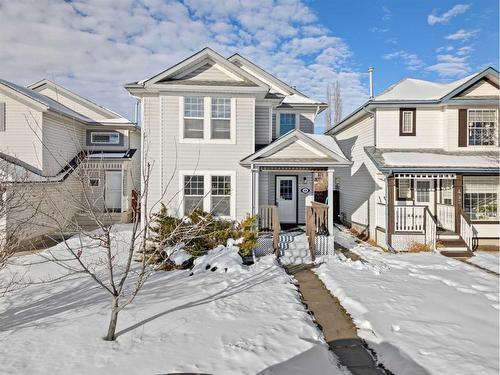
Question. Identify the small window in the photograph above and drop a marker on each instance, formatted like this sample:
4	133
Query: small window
94	182
482	125
445	191
287	122
193	117
423	190
3	117
403	189
221	195
112	138
194	187
407	121
286	190
221	118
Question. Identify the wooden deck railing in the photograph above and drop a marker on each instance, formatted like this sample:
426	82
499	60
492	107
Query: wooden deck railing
430	229
467	231
316	220
269	221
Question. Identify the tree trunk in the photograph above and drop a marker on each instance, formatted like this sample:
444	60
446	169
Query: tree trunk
113	320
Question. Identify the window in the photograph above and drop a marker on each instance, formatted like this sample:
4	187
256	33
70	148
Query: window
287	122
445	195
482	126
3	117
107	138
194	187
481	198
286	190
193	117
403	187
407	121
221	195
423	188
94	182
221	118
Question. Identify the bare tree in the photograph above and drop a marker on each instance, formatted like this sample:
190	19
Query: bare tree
334	100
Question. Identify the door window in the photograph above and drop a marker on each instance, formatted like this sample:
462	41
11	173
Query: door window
286	190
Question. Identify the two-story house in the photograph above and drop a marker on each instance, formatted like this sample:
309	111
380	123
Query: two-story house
47	132
223	135
425	164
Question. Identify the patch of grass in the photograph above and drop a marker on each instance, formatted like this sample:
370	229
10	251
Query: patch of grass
418	247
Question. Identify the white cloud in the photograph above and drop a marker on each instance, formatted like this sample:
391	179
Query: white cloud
376	29
94	47
449	66
462	35
386	13
410	60
433	19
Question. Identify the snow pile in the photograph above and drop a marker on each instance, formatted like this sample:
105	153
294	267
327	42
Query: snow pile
489	260
211	322
221	259
177	254
422	313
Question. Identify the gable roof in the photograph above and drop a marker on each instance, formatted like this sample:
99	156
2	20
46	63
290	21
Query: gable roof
315	150
414	91
199	57
106	112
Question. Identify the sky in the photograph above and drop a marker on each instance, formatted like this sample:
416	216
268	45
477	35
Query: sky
94	47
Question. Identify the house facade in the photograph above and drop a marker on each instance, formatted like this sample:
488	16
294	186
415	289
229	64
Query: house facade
425	164
48	135
223	135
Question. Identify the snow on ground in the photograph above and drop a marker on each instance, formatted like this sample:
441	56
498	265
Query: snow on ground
486	259
420	312
246	321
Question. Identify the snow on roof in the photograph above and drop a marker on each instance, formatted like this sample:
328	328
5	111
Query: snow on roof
298	99
329	142
417	89
45	100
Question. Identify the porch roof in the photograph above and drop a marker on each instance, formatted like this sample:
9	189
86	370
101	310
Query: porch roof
433	160
299	149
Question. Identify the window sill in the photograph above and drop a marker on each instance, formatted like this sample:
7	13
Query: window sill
208	141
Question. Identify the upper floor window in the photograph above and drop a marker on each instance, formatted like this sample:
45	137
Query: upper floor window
287	122
482	127
193	117
105	138
221	118
407	123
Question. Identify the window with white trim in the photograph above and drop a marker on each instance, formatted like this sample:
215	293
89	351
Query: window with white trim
220	200
105	138
287	122
94	182
445	192
403	188
193	117
482	127
194	188
422	191
221	118
481	197
407	122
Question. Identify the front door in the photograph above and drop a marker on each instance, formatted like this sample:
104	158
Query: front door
113	191
424	194
286	198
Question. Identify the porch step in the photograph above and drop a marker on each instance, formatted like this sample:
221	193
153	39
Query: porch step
453	246
457	254
447	235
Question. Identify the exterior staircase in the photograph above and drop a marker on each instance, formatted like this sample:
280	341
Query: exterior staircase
452	245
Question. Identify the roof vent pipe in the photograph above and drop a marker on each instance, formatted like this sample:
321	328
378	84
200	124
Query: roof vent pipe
370	72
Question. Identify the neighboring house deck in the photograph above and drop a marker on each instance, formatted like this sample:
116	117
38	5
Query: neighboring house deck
48	135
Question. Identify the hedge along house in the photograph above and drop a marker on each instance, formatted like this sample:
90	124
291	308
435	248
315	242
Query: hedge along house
47	133
425	164
225	136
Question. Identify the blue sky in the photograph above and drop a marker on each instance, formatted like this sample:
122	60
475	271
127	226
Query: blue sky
93	47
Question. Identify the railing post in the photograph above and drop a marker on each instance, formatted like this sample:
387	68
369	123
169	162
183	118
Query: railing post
331	182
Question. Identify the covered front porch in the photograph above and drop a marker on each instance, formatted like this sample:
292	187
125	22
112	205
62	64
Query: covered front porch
283	196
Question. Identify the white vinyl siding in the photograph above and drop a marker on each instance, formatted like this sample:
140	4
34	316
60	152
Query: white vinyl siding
2	117
262	125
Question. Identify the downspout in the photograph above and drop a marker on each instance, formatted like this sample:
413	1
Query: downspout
252	169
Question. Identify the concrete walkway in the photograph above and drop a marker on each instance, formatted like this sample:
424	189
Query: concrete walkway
338	328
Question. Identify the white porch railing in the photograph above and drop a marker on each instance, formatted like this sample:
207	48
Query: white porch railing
409	218
380	215
446	216
430	229
466	231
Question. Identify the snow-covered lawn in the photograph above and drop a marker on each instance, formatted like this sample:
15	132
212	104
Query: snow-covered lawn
422	312
486	259
246	321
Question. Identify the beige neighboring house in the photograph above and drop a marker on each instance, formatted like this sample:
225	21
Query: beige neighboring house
224	135
47	133
425	164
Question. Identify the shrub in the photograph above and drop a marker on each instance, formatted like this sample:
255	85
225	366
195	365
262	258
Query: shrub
249	234
418	247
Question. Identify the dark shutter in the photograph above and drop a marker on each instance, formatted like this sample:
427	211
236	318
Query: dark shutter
2	117
462	128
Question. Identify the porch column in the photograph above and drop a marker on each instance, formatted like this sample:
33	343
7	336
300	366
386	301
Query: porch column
255	190
457	200
391	182
330	199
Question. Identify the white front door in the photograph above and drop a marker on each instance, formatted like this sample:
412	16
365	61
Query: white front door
113	191
286	198
424	194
